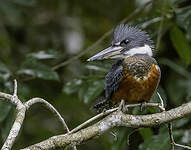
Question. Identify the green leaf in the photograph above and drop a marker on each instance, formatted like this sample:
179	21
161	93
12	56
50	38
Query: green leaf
183	19
162	140
98	66
180	123
145	133
122	136
157	142
177	68
175	2
88	88
11	12
188	97
186	138
49	54
181	45
4	72
178	85
95	87
5	108
25	2
72	86
175	91
7	125
34	68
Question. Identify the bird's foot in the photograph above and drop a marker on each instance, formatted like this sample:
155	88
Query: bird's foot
122	107
143	105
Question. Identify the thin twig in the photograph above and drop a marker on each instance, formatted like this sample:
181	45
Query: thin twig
161	101
171	136
107	112
93	46
169	124
32	101
13	98
93	119
161	26
183	146
172	142
15	88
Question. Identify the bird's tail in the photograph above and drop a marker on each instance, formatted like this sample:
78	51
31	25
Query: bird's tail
100	106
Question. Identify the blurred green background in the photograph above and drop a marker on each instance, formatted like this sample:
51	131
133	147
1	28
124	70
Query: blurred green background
44	44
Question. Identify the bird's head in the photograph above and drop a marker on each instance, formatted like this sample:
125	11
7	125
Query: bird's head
127	41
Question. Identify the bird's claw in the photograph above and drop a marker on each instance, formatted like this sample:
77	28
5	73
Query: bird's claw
122	107
143	105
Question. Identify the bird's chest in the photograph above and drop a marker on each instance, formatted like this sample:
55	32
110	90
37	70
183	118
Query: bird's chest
138	83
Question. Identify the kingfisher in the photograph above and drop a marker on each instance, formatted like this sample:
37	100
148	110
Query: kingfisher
135	74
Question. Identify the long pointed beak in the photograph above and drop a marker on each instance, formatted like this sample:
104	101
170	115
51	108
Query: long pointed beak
110	52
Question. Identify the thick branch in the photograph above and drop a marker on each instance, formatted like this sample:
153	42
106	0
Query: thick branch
20	115
114	119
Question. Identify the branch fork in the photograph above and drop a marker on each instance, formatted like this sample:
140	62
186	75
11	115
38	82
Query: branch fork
20	115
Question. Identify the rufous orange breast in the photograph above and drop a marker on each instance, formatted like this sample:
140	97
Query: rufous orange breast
134	89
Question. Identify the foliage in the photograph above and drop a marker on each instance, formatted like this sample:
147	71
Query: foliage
37	36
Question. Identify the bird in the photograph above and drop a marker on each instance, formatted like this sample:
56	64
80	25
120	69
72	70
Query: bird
135	74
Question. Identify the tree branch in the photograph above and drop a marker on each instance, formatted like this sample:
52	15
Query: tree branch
20	115
114	119
32	101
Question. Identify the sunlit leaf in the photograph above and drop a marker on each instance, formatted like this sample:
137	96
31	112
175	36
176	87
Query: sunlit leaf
181	45
146	21
186	138
49	54
36	69
72	86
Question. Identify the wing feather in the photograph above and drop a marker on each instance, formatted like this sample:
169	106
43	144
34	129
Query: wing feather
113	79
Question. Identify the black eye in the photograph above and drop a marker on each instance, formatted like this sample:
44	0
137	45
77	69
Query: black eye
124	42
